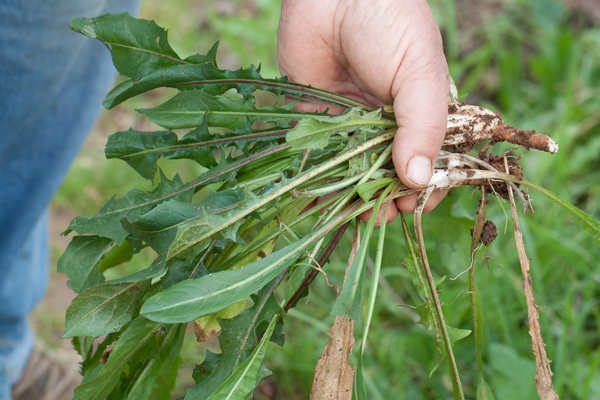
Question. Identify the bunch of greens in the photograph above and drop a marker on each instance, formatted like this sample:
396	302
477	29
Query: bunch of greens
233	254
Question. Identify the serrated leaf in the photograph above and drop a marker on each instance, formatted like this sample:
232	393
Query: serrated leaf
138	46
245	377
457	334
80	259
211	362
189	300
135	203
314	133
133	339
204	76
192	108
141	150
158	226
104	308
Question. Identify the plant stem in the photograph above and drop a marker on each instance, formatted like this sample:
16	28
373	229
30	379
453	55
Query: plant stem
422	200
543	372
322	259
476	308
287	187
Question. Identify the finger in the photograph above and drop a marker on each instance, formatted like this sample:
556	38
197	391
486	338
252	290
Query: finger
392	213
420	94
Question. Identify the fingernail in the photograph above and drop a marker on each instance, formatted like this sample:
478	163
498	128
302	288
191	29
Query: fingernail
419	170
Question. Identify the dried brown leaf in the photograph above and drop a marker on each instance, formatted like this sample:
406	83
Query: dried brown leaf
333	375
106	353
543	372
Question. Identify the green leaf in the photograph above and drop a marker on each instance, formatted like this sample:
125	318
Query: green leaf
141	150
91	359
135	203
104	308
138	46
80	259
358	391
157	268
414	265
211	362
512	376
146	385
314	133
158	226
368	189
131	341
192	108
349	303
457	334
192	299
117	255
245	377
204	76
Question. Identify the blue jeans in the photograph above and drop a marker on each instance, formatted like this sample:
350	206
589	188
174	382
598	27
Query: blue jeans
52	82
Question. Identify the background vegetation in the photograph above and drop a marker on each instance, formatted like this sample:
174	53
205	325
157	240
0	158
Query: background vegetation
537	62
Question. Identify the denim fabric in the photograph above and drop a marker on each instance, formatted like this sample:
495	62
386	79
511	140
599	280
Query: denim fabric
52	81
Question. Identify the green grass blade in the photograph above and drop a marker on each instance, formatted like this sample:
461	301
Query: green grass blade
586	220
359	392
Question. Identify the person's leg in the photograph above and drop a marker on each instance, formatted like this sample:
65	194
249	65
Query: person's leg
52	81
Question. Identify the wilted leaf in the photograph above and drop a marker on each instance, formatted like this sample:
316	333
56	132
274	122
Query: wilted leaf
333	375
238	338
207	327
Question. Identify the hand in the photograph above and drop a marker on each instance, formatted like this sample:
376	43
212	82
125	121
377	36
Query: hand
376	51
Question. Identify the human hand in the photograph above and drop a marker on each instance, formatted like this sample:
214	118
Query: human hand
379	52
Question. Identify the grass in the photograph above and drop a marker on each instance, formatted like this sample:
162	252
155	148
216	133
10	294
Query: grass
539	66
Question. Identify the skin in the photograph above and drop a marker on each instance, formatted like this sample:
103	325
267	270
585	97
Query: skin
380	52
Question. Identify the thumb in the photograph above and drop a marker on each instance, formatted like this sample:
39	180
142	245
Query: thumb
420	91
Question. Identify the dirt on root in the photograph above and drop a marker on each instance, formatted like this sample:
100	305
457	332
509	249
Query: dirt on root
489	232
